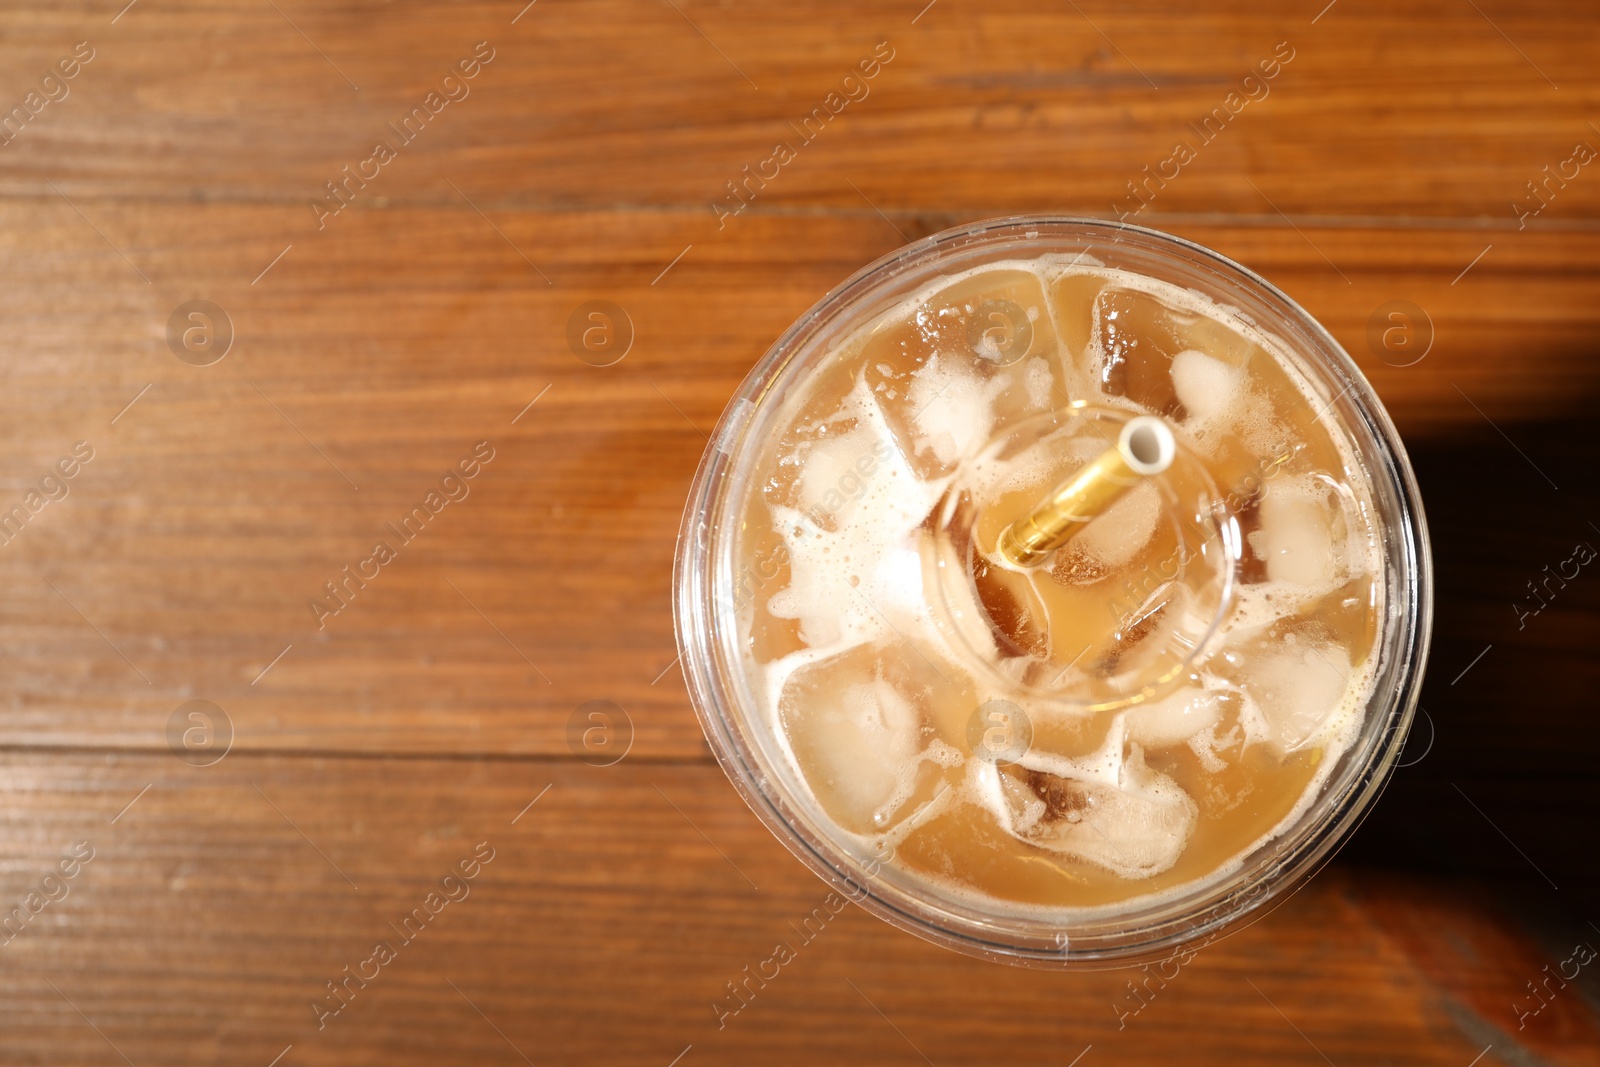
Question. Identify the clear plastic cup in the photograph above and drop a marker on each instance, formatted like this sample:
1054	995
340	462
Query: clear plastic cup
706	600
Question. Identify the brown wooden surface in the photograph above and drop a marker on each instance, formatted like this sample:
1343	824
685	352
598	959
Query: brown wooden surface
377	351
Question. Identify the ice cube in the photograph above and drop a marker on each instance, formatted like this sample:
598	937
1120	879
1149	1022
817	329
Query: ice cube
1174	719
1074	295
1295	536
829	410
1208	744
854	734
946	371
1108	809
1134	341
836	471
1208	388
855	573
1295	690
1200	331
952	409
858	726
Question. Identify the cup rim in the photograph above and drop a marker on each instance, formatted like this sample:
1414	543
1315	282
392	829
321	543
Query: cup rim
1315	836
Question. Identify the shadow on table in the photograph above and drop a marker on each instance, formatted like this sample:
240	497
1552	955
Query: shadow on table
1503	774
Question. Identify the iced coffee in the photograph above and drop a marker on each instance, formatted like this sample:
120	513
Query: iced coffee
1112	723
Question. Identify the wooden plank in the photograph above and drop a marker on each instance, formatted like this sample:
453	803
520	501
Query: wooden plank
1426	109
367	362
612	916
375	347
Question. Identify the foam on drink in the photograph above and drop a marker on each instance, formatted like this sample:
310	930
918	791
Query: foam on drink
871	702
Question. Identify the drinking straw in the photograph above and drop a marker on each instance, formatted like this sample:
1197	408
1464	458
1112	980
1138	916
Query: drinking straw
1144	447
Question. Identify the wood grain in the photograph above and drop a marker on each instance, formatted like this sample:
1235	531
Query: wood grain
1435	109
375	348
610	920
366	364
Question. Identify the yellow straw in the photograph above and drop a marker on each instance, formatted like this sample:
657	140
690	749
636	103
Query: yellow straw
1144	447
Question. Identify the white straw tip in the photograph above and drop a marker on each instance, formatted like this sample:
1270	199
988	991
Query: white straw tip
1147	445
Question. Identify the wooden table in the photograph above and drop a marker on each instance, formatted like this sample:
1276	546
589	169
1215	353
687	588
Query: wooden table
377	749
